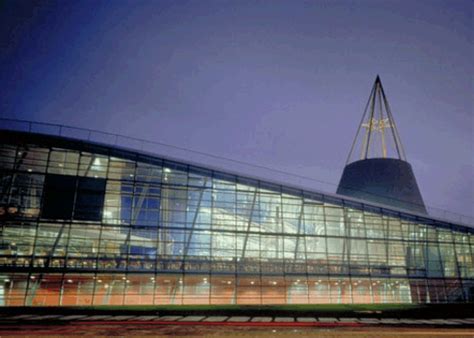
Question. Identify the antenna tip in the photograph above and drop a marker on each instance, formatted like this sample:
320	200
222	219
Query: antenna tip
377	78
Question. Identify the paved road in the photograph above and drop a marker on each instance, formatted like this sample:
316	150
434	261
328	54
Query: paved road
174	330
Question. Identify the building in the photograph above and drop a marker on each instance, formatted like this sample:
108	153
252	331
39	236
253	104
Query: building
88	223
381	173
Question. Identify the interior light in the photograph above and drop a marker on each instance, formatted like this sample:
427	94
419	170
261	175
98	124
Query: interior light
252	282
69	280
124	278
30	170
229	282
7	280
167	170
99	281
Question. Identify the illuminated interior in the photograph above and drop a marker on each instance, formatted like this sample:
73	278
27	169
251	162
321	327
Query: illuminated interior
83	224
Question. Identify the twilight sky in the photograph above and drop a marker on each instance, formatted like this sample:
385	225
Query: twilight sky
277	83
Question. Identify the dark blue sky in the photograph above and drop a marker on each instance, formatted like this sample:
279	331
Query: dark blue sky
277	83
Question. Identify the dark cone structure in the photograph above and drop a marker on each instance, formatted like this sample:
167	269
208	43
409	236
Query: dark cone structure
383	180
381	174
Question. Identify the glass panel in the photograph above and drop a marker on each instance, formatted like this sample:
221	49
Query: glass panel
162	232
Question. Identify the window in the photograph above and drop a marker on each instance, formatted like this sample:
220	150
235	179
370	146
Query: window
89	199
62	198
58	197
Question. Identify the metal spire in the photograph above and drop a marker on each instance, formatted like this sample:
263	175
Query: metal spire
377	135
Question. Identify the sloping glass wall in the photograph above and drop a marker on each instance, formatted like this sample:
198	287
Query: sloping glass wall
84	227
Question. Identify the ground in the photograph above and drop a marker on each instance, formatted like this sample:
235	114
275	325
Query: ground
242	321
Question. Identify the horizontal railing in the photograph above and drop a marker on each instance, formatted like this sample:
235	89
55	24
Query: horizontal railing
199	158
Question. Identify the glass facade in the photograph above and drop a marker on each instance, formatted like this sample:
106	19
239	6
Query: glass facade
85	224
